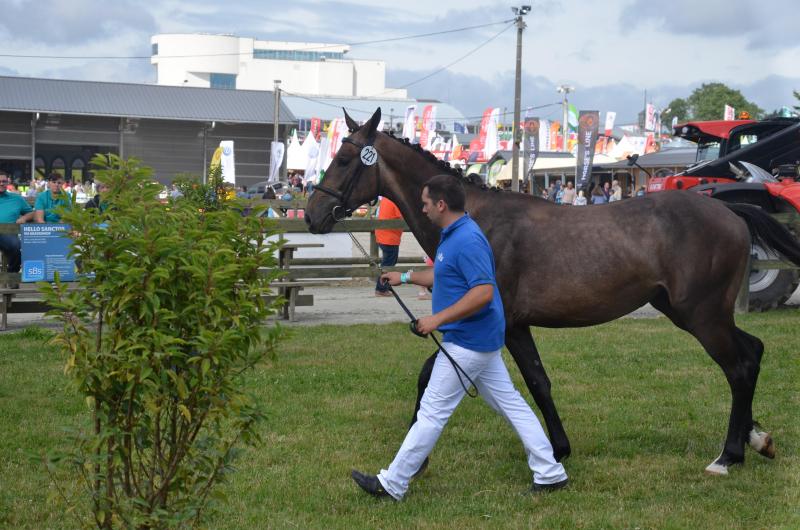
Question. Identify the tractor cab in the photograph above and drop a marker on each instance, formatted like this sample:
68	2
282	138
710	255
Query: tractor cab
768	144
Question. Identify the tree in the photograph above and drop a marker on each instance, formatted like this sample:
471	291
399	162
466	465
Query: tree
679	108
708	102
157	340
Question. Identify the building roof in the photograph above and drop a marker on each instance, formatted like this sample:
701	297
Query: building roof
360	109
127	100
666	158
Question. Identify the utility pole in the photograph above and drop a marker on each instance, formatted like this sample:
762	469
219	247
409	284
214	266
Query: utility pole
276	119
515	129
565	90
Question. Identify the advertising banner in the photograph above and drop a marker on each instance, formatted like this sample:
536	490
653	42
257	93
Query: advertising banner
588	125
409	123
650	117
730	113
555	136
227	162
531	129
428	126
610	118
316	126
491	141
45	251
487	116
275	161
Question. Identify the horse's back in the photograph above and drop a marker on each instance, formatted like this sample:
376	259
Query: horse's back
574	266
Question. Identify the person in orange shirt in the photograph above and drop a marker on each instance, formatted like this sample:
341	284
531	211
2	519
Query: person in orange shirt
388	241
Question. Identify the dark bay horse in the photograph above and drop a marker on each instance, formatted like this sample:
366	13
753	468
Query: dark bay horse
684	253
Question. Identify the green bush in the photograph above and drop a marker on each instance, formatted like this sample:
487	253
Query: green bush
157	339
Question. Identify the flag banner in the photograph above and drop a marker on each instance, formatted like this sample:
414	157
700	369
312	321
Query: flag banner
555	136
531	143
572	118
428	126
492	144
610	118
487	116
227	162
650	143
650	117
544	135
409	123
459	127
674	122
588	127
730	113
275	161
316	125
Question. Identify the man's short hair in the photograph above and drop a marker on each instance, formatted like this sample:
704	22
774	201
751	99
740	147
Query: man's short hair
4	173
447	188
54	177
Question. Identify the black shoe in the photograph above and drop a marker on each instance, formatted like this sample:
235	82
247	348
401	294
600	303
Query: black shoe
546	488
370	484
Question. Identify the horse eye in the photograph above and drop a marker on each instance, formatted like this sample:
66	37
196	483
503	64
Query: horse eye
343	161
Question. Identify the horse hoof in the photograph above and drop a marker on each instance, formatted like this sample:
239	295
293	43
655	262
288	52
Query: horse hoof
761	442
717	470
560	453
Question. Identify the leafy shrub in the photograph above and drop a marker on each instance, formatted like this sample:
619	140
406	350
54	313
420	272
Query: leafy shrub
157	340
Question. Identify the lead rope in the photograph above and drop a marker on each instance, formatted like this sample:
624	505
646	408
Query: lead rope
413	324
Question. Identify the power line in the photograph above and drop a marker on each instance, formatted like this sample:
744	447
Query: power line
361	43
460	58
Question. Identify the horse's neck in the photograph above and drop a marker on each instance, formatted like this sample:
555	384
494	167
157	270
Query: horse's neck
406	172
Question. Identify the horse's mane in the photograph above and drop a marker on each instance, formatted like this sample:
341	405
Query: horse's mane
469	180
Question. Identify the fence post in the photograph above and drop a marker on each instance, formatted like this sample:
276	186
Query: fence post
743	298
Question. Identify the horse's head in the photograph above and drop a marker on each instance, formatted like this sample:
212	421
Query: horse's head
351	179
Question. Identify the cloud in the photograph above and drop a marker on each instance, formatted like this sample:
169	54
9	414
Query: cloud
55	22
764	25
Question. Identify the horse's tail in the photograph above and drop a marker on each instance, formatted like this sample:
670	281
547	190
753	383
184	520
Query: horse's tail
765	230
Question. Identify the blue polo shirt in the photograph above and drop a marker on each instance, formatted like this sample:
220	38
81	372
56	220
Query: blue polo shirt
46	202
464	260
12	206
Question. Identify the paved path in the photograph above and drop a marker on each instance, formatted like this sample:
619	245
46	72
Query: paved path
349	303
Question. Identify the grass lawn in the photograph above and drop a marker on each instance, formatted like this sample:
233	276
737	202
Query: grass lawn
646	410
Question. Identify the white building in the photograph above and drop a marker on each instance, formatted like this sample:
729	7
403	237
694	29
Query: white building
227	61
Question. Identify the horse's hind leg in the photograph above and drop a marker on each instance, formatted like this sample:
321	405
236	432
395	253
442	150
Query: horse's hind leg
422	384
520	343
739	356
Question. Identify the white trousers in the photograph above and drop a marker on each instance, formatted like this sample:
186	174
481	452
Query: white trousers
442	396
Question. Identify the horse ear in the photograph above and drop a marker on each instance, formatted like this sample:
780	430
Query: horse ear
375	120
351	123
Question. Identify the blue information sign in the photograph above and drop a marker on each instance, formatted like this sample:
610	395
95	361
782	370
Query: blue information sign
45	250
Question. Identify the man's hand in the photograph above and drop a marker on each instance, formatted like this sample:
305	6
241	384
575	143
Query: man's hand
393	278
426	325
21	220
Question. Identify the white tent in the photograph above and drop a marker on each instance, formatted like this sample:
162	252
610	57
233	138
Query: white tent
295	156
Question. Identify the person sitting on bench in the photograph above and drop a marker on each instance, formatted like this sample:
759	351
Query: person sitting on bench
13	209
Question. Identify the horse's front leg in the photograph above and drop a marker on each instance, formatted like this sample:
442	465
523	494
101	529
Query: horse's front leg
520	343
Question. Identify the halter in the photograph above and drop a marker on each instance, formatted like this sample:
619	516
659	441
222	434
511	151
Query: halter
368	156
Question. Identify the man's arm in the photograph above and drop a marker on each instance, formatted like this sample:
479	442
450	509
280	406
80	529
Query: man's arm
423	278
25	218
469	304
38	216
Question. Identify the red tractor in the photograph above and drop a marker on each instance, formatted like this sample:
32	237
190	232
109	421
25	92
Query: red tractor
754	162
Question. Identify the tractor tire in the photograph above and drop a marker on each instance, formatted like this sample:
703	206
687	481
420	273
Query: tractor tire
770	288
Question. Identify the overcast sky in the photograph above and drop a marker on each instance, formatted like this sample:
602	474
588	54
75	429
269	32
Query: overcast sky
611	51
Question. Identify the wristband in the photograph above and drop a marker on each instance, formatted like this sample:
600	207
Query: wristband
403	277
